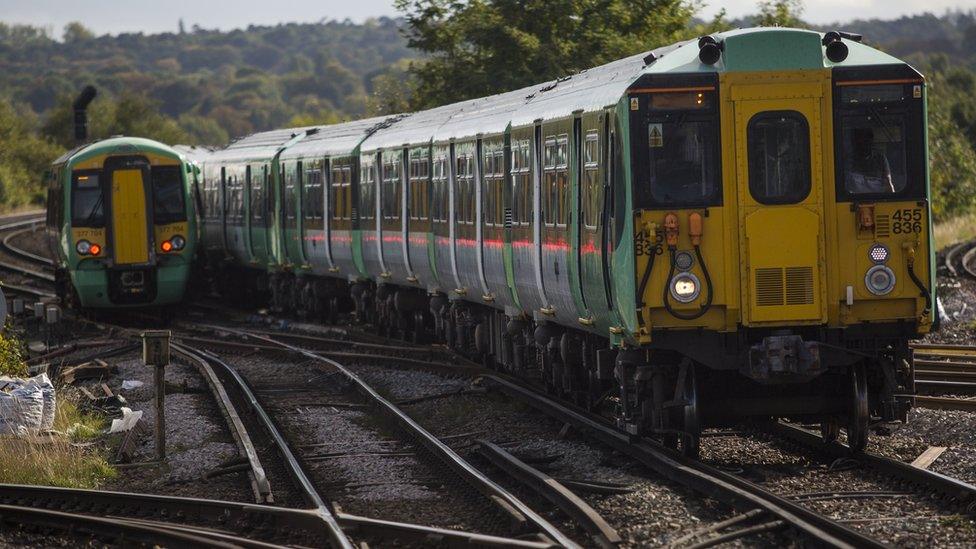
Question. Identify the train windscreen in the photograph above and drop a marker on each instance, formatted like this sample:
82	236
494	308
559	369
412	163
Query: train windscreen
168	197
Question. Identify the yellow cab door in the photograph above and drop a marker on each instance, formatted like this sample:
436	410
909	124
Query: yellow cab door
130	227
780	192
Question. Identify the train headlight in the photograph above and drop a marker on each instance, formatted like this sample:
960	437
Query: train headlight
83	247
683	261
178	242
685	287
166	246
878	254
880	280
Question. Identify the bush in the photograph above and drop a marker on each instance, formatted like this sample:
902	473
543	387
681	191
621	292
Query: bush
12	356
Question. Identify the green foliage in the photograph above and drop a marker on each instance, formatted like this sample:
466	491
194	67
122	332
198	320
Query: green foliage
489	46
23	157
779	13
240	81
11	356
952	138
130	114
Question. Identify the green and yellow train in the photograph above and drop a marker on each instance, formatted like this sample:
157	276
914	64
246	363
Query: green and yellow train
731	228
121	224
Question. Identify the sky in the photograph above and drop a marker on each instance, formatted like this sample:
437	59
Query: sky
151	16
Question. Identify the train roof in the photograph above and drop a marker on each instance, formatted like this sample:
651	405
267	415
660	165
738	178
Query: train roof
751	49
414	128
258	146
338	139
768	49
117	144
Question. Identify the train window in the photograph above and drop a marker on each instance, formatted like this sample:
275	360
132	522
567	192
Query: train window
391	189
367	190
87	201
521	183
257	197
683	159
779	157
439	181
873	153
592	189
291	202
419	182
313	202
169	204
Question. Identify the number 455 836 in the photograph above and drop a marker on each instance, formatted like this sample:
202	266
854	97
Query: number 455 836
907	221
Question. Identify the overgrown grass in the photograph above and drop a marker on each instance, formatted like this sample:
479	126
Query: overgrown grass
957	229
58	460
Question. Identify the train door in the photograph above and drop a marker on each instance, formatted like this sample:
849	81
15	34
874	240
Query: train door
128	200
593	191
779	155
258	222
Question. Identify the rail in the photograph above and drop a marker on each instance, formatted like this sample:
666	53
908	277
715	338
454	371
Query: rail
700	477
475	478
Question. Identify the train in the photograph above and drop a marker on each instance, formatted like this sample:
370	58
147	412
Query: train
121	225
734	228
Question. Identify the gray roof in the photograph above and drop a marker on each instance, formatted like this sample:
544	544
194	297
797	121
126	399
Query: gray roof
338	139
258	146
413	129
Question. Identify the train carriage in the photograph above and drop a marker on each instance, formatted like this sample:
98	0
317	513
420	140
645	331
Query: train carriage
725	229
121	224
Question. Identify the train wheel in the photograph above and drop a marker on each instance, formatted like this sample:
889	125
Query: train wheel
857	427
691	437
829	429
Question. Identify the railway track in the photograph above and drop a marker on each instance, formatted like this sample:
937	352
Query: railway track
707	480
494	498
946	374
32	276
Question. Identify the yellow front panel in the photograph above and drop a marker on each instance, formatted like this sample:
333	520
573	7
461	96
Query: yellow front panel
165	232
129	223
782	271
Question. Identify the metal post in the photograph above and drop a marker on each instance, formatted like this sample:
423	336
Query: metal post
155	353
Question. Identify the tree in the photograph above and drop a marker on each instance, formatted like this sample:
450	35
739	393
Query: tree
488	46
780	13
76	32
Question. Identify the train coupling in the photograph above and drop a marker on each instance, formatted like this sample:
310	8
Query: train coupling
783	359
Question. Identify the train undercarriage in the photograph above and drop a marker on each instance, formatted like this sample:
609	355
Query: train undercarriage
671	390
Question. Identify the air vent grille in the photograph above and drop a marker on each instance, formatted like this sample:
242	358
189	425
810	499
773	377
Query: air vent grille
882	225
769	287
799	285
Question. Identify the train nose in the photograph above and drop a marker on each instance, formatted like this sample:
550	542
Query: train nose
133	278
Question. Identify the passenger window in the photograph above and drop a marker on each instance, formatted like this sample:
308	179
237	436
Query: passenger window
592	189
779	157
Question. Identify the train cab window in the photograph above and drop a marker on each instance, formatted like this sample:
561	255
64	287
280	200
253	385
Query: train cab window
169	205
87	201
682	140
779	157
872	139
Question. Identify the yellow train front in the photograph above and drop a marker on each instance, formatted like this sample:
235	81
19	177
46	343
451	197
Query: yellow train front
121	224
782	243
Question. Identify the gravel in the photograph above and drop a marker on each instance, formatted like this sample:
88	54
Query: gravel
348	450
655	513
197	437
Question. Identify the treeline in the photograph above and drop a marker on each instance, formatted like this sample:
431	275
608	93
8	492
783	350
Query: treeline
201	86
